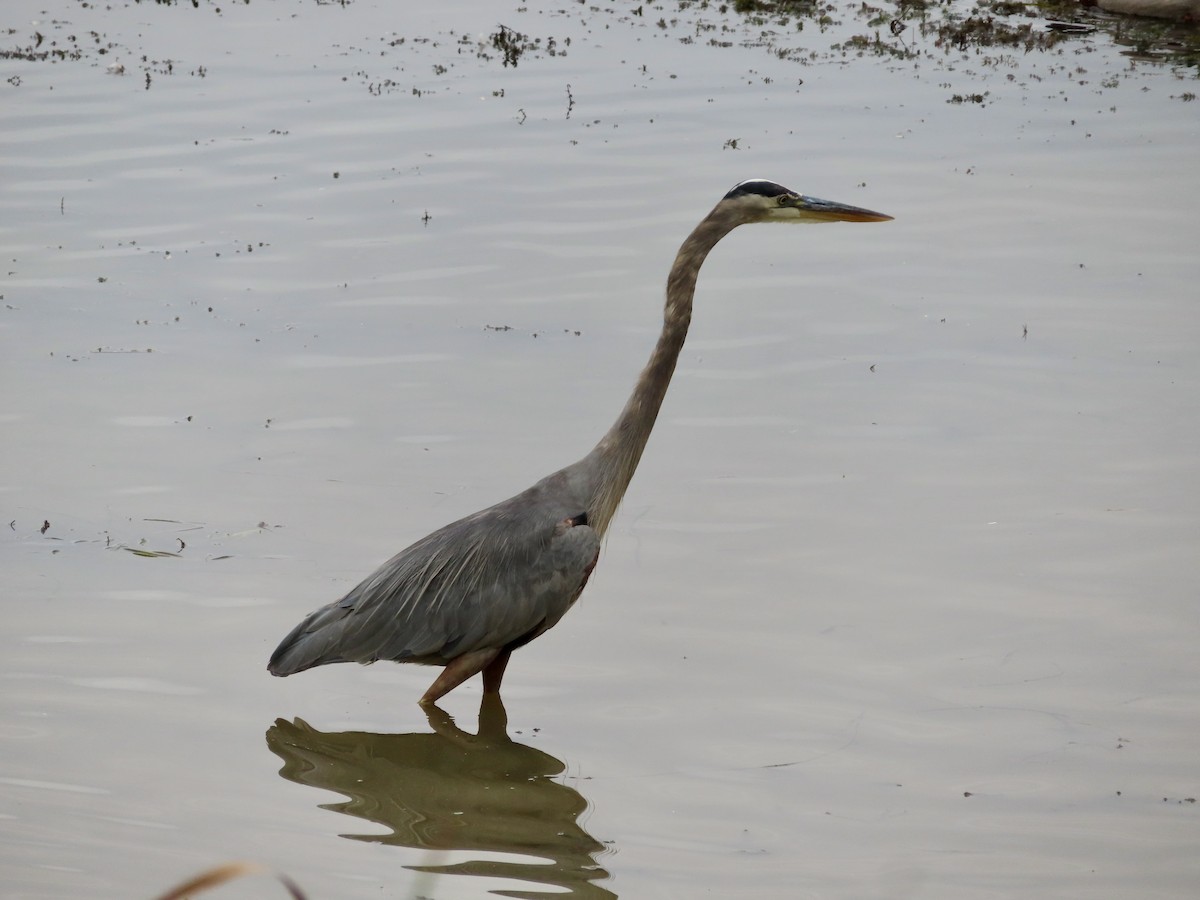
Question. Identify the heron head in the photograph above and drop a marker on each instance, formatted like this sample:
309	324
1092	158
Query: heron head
759	200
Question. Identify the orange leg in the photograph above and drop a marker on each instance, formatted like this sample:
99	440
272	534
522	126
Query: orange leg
493	674
459	670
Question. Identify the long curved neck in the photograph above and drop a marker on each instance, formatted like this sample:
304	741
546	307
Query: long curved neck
613	461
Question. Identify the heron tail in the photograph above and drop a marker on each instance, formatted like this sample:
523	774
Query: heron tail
308	644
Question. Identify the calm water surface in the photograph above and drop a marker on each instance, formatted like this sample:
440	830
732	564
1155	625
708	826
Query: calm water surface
902	602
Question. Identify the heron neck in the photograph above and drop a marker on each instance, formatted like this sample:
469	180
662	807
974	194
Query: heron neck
614	460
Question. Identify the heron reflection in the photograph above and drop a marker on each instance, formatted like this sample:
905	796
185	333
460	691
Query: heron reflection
450	790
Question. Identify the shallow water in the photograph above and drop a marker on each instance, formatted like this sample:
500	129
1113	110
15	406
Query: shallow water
902	601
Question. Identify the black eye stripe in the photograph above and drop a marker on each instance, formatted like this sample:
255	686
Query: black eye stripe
758	186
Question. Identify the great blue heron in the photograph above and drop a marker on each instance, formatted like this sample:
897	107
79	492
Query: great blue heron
469	594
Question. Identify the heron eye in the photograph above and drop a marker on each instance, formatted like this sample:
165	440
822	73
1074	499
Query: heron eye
782	199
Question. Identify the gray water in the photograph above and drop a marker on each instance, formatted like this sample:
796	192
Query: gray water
901	603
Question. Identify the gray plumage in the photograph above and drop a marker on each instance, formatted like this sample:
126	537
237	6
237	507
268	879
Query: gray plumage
521	563
468	594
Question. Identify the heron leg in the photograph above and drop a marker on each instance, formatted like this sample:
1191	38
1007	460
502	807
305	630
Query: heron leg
493	674
456	672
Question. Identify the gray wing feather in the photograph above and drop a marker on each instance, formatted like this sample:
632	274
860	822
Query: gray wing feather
499	577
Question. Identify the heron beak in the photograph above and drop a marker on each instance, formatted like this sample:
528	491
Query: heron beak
813	209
